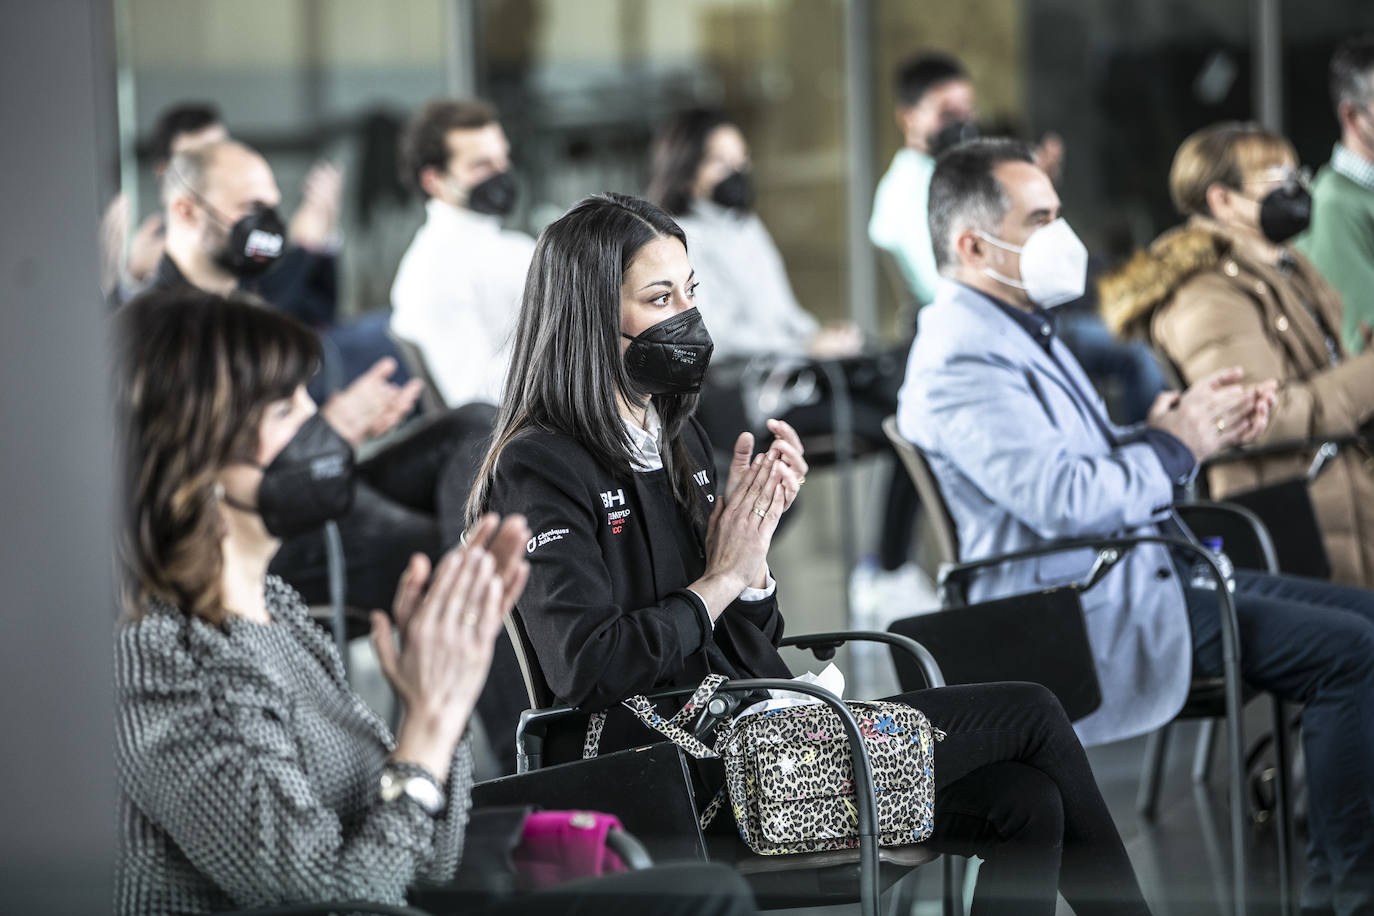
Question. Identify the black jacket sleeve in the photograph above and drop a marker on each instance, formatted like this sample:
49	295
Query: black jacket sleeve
593	651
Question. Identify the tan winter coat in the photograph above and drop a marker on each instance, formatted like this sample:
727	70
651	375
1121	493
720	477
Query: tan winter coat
1205	300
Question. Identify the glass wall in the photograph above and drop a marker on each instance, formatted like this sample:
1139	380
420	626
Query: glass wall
582	86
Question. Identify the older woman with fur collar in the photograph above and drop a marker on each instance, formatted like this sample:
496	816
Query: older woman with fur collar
1224	289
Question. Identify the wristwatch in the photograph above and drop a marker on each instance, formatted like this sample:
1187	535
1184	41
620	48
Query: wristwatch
415	783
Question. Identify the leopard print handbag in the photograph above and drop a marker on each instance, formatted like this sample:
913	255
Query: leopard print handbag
790	776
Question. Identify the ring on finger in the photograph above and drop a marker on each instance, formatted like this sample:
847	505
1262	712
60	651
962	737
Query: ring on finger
1221	424
469	619
760	512
801	480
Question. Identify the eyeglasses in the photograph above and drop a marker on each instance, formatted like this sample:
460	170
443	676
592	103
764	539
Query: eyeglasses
1282	175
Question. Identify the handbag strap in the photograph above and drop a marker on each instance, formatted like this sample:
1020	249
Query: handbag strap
672	729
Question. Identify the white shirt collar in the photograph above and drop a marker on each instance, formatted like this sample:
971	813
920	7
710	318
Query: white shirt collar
460	218
644	443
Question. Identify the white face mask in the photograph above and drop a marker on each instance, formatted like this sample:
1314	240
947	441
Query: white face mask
1054	265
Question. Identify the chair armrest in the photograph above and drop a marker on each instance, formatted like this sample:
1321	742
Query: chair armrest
1325	447
630	850
952	576
823	646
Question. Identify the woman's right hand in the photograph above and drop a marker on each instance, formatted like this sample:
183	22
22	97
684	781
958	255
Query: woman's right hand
448	623
741	527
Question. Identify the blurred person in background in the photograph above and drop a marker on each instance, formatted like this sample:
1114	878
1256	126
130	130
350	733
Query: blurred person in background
1340	241
937	110
1227	289
303	281
457	291
701	174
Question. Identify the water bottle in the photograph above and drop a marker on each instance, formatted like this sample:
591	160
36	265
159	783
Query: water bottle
1203	576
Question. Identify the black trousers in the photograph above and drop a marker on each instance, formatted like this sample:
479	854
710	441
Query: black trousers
1312	642
1014	787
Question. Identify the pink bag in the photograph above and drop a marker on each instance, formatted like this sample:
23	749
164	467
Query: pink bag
561	846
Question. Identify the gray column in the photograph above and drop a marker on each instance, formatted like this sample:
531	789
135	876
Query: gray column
860	152
1267	56
460	49
57	804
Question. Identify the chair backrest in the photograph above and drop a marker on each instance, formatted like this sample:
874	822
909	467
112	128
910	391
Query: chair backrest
540	693
1040	637
928	489
431	401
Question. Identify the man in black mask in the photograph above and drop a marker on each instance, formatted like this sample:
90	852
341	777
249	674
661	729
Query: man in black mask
457	291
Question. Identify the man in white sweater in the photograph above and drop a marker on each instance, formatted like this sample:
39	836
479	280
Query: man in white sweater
457	291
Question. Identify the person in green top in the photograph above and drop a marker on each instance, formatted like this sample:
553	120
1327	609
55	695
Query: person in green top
934	107
1340	241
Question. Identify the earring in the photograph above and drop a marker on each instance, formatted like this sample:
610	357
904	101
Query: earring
219	491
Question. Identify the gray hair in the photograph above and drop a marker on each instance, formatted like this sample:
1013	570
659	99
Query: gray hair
964	194
1352	72
187	171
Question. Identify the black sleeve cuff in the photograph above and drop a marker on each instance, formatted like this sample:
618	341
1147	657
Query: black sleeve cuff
690	618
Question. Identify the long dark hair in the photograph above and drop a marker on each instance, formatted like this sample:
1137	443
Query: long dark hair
566	369
676	154
195	373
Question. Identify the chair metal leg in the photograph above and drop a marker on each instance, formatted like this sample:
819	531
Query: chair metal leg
1202	754
1283	814
1152	776
1235	739
953	904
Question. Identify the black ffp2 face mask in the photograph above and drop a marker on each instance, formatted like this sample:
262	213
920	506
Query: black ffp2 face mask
735	191
494	196
310	482
672	356
1284	212
255	243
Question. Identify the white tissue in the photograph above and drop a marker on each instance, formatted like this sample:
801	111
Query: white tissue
831	680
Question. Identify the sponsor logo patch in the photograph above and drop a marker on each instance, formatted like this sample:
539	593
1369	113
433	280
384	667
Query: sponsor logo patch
617	519
613	498
545	537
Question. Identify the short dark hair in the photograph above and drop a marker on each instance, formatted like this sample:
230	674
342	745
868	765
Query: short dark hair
922	73
183	118
676	154
423	142
1352	72
964	191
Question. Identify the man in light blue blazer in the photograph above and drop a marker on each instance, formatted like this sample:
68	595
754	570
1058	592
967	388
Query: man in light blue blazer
1024	453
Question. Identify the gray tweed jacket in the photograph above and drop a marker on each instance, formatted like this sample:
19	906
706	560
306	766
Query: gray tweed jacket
249	772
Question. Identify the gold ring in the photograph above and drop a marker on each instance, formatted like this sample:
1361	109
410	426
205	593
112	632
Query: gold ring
801	480
1221	425
759	512
469	619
